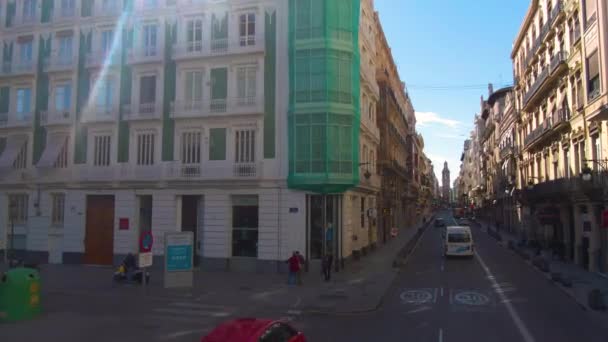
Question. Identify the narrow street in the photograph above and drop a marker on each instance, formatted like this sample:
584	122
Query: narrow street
434	299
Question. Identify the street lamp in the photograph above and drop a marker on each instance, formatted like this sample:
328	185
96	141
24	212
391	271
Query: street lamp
587	172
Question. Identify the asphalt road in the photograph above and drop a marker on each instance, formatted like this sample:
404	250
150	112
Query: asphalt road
494	296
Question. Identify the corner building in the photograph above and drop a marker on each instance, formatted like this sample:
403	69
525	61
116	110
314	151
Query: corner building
237	120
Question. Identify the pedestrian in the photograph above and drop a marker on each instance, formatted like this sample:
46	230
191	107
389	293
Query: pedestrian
301	261
326	266
294	267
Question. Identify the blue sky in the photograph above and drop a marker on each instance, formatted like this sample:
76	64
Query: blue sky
447	52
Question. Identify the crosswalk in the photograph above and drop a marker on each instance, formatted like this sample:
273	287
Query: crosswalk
188	312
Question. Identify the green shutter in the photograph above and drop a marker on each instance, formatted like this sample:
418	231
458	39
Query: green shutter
42	99
4	99
82	95
2	145
87	8
47	11
126	74
217	144
11	9
219	83
270	86
169	93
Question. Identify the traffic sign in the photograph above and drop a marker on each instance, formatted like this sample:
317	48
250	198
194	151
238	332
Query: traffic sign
145	259
146	240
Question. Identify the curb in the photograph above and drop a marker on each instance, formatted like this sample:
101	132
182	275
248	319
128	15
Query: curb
396	271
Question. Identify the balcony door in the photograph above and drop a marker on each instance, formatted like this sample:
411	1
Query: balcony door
194	35
150	40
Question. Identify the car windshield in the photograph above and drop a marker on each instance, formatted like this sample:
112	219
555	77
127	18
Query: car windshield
459	237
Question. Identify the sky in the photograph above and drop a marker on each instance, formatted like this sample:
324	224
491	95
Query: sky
447	51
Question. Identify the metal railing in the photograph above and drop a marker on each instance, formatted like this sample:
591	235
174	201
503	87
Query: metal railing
144	54
237	105
100	57
542	77
141	111
218	47
20	67
16	119
558	59
58	62
56	117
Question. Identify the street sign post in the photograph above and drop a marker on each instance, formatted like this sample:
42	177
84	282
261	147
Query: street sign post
179	255
146	240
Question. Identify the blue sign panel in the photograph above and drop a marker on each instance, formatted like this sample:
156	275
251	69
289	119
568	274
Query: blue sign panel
179	258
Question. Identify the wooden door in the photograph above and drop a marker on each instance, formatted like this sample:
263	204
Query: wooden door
99	238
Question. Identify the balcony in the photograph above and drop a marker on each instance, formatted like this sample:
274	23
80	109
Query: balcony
18	68
99	58
56	118
559	119
231	106
556	12
540	80
58	63
16	120
558	62
91	173
212	171
108	9
566	188
130	172
506	151
576	36
218	47
142	111
145	54
95	113
26	20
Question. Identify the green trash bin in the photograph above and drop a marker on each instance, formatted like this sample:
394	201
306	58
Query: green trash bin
19	294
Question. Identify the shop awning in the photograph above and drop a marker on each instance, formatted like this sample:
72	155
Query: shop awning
53	147
14	144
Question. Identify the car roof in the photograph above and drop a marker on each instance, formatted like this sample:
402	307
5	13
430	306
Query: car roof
458	228
237	330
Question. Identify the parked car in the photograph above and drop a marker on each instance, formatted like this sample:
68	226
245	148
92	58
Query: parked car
464	222
254	330
439	223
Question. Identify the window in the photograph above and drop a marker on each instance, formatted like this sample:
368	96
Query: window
455	237
147	89
340	77
593	76
596	151
18	207
567	171
67	7
57	209
195	35
150	3
245	146
247	29
63	98
26	52
145	148
101	150
217	144
219	33
245	226
65	48
191	148
107	38
29	10
150	40
219	89
21	160
590	12
310	74
556	174
246	84
62	159
24	102
105	94
193	89
547	168
109	5
577	158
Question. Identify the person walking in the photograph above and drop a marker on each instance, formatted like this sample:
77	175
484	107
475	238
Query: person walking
326	266
301	262
294	267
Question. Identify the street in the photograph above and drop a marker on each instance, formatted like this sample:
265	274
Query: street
494	296
434	299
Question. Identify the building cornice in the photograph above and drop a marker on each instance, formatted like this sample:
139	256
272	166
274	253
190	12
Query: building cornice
524	27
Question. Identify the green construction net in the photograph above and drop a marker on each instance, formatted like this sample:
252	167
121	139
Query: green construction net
324	113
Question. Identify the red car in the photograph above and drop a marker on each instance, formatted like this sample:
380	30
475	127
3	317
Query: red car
254	330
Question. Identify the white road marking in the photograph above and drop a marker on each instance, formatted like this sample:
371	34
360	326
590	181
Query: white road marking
420	309
180	312
442	292
197	306
440	335
183	333
294	312
521	326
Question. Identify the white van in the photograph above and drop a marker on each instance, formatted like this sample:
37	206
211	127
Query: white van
458	241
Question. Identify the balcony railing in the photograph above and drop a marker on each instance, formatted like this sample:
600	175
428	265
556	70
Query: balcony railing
65	14
56	117
218	47
130	172
539	131
506	151
97	113
18	68
59	63
561	116
141	111
542	77
111	9
239	105
14	120
29	19
557	60
99	58
555	12
204	171
145	54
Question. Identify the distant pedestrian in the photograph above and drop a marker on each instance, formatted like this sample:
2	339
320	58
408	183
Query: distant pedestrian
294	267
301	261
326	266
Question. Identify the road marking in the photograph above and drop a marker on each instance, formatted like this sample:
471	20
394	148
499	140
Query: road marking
471	298
523	330
417	296
420	309
294	312
442	292
183	333
440	335
181	312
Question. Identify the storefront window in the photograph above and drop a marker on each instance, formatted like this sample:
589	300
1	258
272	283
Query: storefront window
245	212
323	232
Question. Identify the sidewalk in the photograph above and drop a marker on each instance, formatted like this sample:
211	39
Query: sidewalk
572	279
359	287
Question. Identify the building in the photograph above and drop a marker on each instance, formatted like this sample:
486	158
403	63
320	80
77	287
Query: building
120	117
445	181
561	92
